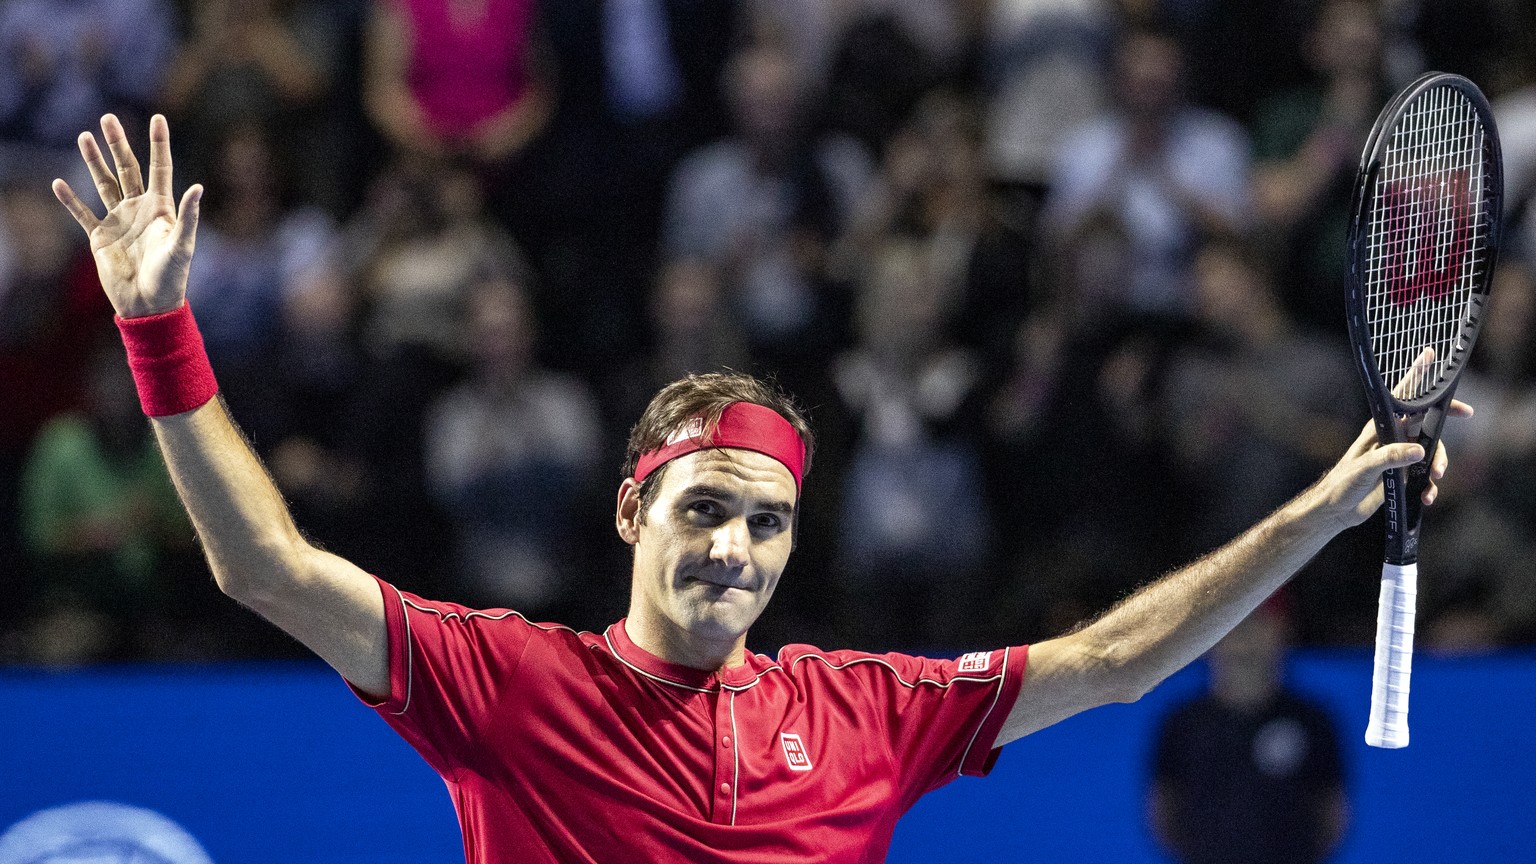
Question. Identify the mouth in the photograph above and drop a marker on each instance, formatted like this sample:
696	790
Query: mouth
721	583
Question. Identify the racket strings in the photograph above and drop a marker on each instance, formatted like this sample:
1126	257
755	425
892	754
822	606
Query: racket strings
1427	241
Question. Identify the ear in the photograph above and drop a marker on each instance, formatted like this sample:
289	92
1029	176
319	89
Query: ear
626	517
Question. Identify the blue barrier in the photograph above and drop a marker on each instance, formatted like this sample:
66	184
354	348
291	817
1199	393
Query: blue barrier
278	762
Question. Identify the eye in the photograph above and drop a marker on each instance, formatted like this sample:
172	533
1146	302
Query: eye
706	508
767	522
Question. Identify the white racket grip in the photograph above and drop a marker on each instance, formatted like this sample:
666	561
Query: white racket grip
1388	726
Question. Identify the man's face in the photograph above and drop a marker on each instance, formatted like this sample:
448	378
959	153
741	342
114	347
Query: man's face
711	547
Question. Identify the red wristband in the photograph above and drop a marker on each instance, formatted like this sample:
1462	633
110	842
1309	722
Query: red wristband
170	366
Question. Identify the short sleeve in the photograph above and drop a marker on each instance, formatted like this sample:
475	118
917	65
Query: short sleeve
450	667
942	717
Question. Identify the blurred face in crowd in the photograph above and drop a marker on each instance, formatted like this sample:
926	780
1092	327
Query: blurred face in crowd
899	307
39	244
501	330
1227	289
1150	66
765	93
687	298
1347	39
710	548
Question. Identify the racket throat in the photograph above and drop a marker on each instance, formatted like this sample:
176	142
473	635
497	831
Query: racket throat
1403	488
1404	511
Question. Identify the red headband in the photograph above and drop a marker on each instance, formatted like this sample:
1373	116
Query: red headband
743	425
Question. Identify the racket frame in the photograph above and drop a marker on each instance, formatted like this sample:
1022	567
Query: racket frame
1419	419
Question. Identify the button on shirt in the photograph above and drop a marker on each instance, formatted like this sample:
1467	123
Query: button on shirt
566	746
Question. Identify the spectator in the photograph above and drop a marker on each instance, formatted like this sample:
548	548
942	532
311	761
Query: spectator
1243	452
509	452
817	32
765	205
639	84
1238	53
267	63
1046	73
313	411
1250	771
254	248
420	244
51	311
456	77
1483	594
933	190
99	514
1307	142
64	63
1515	110
692	332
1165	170
914	529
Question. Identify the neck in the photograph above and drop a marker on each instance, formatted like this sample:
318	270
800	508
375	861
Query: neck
1245	695
663	638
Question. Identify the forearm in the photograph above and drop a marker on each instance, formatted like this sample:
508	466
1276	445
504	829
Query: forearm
1167	624
247	534
510	129
297	76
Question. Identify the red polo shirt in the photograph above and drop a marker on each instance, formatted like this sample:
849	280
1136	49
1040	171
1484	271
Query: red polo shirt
566	746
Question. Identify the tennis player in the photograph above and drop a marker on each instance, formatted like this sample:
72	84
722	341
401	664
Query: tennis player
662	738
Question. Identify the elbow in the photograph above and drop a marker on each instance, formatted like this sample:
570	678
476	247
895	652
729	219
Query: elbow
1133	688
260	570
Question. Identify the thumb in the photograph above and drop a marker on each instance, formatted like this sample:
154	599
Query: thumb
1393	456
184	236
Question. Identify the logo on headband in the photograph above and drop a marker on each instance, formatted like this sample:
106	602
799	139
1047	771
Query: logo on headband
693	428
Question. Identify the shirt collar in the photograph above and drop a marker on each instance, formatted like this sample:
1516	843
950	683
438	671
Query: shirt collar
651	666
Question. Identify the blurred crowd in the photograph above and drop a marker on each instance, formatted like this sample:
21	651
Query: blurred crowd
1060	282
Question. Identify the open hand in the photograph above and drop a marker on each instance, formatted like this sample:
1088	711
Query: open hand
144	245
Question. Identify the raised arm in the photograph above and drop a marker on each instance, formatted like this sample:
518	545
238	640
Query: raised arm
143	248
1164	626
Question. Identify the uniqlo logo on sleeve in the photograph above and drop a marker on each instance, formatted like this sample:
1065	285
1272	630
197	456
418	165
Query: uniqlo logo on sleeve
976	661
794	752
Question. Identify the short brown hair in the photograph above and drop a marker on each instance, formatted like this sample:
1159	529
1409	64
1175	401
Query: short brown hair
705	396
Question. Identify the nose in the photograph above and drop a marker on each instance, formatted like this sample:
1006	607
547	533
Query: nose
728	543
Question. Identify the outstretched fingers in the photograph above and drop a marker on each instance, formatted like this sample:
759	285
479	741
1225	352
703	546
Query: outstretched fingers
75	206
101	174
185	233
159	156
130	181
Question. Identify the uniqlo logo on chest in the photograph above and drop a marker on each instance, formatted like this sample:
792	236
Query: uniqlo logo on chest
794	752
976	661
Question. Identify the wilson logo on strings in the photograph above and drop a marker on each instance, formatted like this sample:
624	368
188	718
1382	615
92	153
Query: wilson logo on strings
1426	235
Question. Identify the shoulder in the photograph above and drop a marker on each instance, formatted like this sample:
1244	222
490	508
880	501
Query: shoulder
1209	127
806	662
485	621
712	162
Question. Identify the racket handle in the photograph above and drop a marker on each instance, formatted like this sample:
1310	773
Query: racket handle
1394	656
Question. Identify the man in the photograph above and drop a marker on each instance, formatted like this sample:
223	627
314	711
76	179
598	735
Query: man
1251	770
662	738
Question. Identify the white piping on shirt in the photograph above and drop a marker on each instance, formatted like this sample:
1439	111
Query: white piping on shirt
409	639
640	671
405	616
1001	673
897	674
735	757
476	614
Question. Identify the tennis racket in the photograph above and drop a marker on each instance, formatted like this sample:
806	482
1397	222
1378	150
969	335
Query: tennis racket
1422	244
